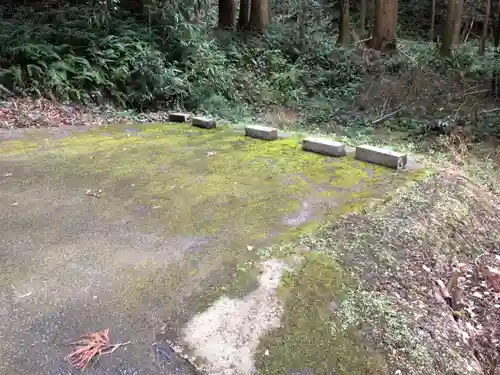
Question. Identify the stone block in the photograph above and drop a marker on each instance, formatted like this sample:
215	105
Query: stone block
381	156
261	132
178	117
324	146
203	122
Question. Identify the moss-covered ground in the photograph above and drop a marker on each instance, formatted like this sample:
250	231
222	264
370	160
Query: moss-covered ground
177	215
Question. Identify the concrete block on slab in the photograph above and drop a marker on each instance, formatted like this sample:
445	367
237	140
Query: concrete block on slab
261	132
381	156
178	117
203	122
324	146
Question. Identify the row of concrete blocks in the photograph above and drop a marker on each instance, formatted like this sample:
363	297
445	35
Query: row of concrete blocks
371	154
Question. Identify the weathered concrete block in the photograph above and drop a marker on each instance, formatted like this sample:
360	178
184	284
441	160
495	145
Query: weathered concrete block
261	132
381	156
178	117
324	146
203	122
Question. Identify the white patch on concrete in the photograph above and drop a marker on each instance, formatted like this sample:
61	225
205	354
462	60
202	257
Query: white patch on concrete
227	335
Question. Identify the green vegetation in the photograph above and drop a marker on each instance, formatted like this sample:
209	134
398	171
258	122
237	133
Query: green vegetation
294	77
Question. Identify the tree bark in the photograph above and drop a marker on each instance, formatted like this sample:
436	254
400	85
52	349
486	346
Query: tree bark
244	15
344	22
384	29
447	44
362	16
457	26
227	13
495	87
432	32
259	16
135	7
484	34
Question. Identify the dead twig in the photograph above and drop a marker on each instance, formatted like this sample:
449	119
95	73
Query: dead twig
490	110
406	55
387	116
363	40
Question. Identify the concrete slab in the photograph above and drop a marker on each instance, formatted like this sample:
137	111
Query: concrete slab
324	146
261	132
167	231
179	117
381	156
203	122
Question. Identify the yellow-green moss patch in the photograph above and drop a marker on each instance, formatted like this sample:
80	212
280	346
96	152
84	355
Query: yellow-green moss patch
226	190
308	341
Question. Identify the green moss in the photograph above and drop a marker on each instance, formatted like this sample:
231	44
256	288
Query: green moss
308	338
233	191
17	147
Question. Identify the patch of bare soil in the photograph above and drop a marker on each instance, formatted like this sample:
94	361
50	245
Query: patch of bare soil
433	255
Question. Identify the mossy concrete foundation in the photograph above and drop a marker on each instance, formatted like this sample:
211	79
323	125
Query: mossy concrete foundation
178	211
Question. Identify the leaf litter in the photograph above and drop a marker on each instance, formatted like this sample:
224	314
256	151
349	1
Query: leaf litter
41	112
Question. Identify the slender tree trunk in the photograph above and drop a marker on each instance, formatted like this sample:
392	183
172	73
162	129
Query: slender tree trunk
495	89
227	13
259	16
135	7
384	30
344	22
301	24
457	15
447	44
484	34
433	21
362	16
371	12
244	15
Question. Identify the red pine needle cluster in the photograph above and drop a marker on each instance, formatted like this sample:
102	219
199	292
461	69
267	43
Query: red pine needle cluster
89	347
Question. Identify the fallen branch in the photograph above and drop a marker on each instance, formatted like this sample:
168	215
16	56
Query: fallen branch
490	110
363	40
406	55
387	116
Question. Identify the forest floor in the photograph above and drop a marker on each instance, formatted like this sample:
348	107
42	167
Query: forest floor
241	252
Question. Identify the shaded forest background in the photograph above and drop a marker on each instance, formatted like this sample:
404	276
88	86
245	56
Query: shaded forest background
417	67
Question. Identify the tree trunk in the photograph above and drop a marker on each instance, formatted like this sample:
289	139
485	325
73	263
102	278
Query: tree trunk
433	21
344	22
362	16
244	15
457	26
135	7
259	16
227	13
495	89
484	34
384	29
447	44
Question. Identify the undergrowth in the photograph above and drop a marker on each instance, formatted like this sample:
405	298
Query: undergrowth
93	55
